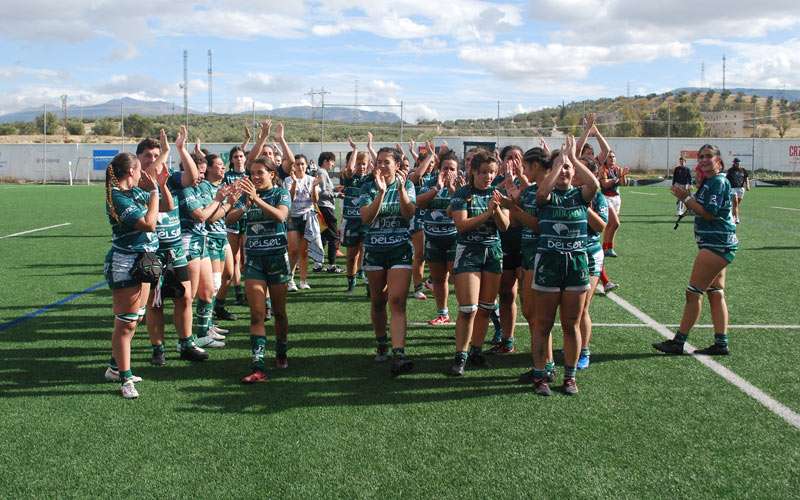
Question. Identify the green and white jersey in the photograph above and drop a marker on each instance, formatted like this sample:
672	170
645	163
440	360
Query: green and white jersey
436	222
476	202
600	205
527	201
192	198
425	180
265	235
352	192
562	222
389	229
216	229
719	233
168	225
231	176
130	206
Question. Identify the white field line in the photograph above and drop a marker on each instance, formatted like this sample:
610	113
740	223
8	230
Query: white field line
642	325
35	230
646	194
787	208
743	385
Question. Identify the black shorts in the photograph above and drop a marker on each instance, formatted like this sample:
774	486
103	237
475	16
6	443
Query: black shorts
511	243
297	223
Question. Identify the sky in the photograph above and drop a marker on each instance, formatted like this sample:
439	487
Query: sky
442	59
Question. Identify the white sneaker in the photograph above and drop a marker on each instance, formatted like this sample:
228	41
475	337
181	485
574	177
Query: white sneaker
304	285
113	376
219	329
600	290
214	335
420	295
128	390
292	287
208	341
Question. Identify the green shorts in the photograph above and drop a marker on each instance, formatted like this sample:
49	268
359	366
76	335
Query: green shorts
478	258
216	247
194	245
174	254
556	272
353	232
728	253
595	262
440	250
528	256
117	269
273	269
398	257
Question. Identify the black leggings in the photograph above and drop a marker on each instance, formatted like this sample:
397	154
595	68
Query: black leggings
331	234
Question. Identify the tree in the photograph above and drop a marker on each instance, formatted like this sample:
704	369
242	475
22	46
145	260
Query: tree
687	121
656	124
630	124
52	123
106	126
7	129
138	126
75	127
782	124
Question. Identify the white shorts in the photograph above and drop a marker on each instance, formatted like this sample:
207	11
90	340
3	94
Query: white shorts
615	202
738	192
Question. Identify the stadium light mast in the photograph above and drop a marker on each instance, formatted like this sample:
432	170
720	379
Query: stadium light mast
210	79
186	86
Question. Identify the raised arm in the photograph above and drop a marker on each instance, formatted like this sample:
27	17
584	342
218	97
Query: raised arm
587	132
350	168
263	137
604	146
589	181
407	206
549	180
247	137
369	212
148	222
412	148
190	173
370	148
288	157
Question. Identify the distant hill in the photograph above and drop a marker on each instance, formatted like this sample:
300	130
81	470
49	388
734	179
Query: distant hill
112	109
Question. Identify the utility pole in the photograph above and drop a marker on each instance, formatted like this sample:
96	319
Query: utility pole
322	93
186	86
628	89
64	112
402	120
753	147
669	133
723	72
210	81
703	74
122	123
356	114
498	123
44	146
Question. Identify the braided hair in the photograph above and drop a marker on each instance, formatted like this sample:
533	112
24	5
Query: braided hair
119	167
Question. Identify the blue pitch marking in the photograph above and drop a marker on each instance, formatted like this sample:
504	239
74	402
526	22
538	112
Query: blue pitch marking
58	303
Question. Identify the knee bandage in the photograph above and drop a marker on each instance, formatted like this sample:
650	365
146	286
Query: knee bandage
714	289
694	289
487	306
217	278
468	309
127	317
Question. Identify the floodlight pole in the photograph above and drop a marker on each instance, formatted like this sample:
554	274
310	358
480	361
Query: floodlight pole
402	120
669	133
498	123
44	146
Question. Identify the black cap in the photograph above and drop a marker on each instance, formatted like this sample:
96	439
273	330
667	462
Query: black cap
736	160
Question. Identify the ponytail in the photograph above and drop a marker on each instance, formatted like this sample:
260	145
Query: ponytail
120	166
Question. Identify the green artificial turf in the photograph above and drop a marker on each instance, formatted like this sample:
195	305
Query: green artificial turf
335	424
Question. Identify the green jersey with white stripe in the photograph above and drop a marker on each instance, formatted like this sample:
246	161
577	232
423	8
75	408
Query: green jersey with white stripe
130	207
717	198
436	222
600	206
527	201
389	229
192	198
562	221
265	235
216	228
352	193
168	225
476	202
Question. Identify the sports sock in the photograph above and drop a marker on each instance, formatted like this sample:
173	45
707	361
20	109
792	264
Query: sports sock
606	246
550	367
474	350
604	276
398	352
418	288
125	375
268	303
508	343
721	339
202	318
158	348
539	374
461	356
498	328
444	312
351	282
281	347
186	342
681	337
585	352
569	371
112	363
258	346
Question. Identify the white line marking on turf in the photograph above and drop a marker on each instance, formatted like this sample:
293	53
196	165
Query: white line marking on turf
743	385
646	194
786	208
35	230
643	325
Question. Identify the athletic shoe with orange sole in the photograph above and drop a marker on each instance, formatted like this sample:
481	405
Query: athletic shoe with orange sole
255	377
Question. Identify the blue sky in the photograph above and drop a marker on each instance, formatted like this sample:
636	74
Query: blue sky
443	59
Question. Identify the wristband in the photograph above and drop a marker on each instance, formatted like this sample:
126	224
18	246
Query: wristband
154	192
687	199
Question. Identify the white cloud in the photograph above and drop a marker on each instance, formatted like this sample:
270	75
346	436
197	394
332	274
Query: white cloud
9	72
137	86
264	83
425	46
757	65
381	86
244	104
